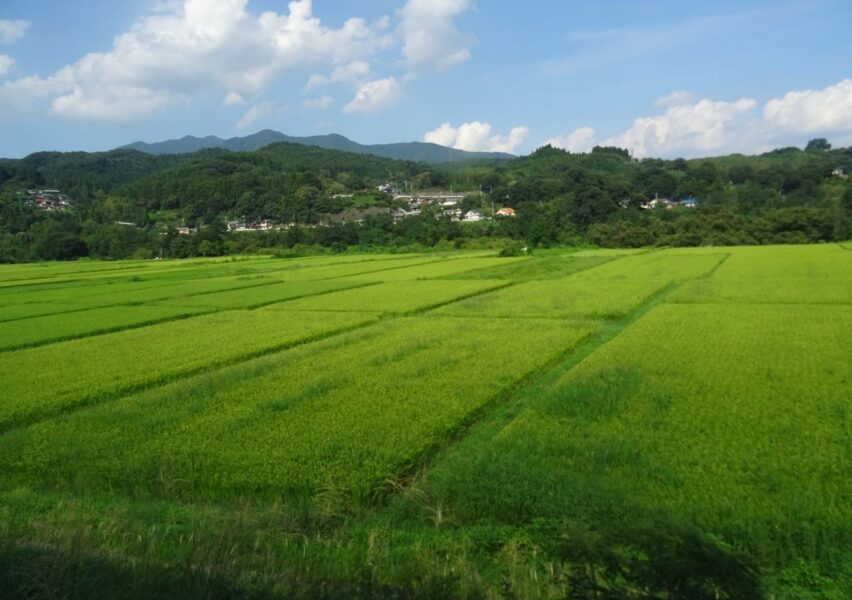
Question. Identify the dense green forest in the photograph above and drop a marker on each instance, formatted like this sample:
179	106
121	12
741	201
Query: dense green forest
127	203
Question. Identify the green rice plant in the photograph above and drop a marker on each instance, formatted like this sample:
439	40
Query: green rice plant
392	297
732	418
165	272
609	291
608	252
49	379
53	273
126	292
27	277
56	298
348	270
169	289
66	292
445	268
58	327
349	412
786	274
537	268
665	265
52	269
260	295
26	311
560	298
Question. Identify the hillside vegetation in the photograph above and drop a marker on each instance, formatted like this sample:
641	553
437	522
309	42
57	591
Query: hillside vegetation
785	196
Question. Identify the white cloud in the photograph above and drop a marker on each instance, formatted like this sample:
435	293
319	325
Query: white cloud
352	72
255	113
10	31
690	127
314	82
169	57
17	96
445	135
812	111
676	98
476	136
233	98
322	103
375	95
430	38
701	127
580	140
6	63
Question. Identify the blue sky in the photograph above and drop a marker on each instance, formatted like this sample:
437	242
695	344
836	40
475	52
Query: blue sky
662	78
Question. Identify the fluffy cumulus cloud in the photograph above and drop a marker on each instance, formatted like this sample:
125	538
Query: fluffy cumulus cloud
430	37
813	111
169	57
375	95
702	126
476	136
10	31
186	48
695	127
580	140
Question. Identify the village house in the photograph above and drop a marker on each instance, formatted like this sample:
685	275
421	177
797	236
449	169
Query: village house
51	200
454	214
400	213
240	226
659	202
505	212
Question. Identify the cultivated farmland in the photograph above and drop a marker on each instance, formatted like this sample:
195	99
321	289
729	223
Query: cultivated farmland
640	424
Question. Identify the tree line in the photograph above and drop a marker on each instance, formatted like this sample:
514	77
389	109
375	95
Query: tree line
130	204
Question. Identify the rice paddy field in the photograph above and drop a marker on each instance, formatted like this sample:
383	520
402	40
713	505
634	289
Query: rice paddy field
604	424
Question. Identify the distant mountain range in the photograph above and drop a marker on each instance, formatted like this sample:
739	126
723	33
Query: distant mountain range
414	151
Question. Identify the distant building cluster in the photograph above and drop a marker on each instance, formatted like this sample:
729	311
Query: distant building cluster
445	204
688	202
263	225
53	200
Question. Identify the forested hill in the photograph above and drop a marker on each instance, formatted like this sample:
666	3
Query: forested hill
205	174
284	182
414	151
82	174
602	197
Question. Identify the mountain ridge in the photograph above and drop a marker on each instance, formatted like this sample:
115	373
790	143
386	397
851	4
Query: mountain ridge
413	151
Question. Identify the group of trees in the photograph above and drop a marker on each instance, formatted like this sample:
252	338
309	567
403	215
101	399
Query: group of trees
129	204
